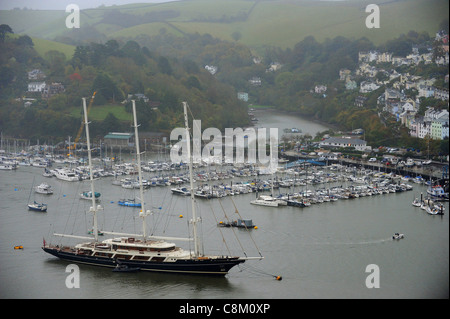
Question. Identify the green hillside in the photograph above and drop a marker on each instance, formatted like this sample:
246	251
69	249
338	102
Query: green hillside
42	46
281	23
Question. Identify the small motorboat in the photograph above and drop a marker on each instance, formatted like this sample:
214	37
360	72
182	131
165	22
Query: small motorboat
240	223
44	188
181	191
88	195
398	236
435	209
129	203
417	202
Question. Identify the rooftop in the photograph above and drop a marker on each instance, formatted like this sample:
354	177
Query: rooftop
119	136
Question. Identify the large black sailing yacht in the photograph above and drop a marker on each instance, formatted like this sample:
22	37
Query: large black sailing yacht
140	251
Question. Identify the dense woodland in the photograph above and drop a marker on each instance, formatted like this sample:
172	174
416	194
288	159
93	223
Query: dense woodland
169	69
114	70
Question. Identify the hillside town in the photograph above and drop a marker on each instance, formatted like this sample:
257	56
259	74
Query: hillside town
406	95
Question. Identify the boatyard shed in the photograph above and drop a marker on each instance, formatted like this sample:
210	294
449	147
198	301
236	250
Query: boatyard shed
338	142
115	139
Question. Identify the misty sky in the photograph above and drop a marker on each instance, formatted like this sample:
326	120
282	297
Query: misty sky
61	4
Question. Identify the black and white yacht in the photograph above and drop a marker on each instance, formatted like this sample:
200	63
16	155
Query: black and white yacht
141	251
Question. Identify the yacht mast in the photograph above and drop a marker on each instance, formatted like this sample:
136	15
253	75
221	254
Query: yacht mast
143	213
194	213
93	209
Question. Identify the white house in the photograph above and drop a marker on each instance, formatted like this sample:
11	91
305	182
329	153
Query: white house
243	96
320	89
36	86
425	91
367	86
384	57
36	74
432	114
441	94
424	129
414	128
255	81
211	69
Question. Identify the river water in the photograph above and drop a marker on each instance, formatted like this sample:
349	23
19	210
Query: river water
322	251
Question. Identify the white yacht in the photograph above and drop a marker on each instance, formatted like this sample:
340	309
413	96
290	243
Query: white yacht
66	175
44	188
266	200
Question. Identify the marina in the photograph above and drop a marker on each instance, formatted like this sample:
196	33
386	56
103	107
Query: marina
320	249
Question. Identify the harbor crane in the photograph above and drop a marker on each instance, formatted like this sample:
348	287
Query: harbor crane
77	138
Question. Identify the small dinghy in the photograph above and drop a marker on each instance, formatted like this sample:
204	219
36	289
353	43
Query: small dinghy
129	203
125	268
398	236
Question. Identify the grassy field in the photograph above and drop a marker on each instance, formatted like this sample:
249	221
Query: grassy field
99	112
42	46
281	23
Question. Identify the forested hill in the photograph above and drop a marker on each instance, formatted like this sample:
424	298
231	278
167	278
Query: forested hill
114	70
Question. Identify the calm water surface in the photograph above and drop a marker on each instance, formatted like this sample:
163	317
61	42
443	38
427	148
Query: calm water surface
321	251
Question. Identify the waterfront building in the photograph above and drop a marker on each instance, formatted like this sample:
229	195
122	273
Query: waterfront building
115	139
342	142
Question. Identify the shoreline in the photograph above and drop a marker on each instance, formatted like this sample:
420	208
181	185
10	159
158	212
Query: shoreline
333	127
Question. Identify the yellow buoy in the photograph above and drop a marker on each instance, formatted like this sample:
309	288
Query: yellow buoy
278	278
256	227
18	247
181	216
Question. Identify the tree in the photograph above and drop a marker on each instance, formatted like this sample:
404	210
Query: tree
106	89
193	82
164	65
6	75
444	146
56	60
4	29
236	35
25	41
110	123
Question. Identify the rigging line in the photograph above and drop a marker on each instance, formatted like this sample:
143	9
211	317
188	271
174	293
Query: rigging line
190	111
161	216
232	228
72	206
220	230
257	271
169	216
251	237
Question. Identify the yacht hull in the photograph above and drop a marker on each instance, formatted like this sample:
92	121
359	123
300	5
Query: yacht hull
206	266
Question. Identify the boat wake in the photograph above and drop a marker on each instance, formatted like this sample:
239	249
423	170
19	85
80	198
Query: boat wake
364	242
329	241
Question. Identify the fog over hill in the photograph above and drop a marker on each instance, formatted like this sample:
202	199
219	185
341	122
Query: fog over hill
61	4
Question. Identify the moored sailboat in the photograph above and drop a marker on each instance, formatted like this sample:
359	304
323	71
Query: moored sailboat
148	253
